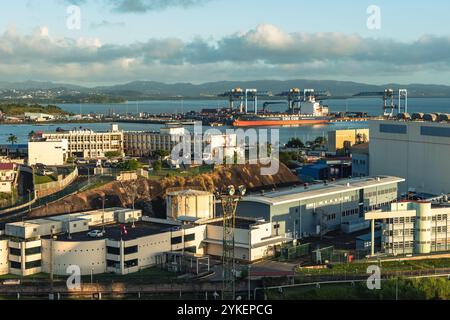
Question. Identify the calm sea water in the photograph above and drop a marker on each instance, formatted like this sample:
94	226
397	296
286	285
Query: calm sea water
372	106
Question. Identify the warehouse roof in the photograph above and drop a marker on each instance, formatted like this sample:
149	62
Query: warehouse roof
285	196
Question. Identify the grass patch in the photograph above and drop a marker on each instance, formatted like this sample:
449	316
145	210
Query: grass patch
192	172
361	268
44	179
408	289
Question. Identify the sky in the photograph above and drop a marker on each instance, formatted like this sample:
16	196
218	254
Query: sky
101	42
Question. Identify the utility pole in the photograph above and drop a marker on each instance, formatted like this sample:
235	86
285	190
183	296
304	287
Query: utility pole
229	199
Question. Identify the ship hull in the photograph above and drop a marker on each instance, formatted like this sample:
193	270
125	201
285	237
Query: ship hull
279	123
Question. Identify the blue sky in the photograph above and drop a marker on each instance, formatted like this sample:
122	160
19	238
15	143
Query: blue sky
198	41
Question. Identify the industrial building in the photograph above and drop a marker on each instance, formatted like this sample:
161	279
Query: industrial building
413	227
343	140
130	242
415	150
88	144
313	210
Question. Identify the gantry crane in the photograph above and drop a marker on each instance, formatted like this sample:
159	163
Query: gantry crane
244	96
389	96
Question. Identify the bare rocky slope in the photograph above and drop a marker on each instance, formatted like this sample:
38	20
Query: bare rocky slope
148	194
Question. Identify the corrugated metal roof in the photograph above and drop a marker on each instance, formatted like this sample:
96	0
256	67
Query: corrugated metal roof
320	190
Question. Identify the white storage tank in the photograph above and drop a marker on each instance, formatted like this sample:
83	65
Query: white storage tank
190	203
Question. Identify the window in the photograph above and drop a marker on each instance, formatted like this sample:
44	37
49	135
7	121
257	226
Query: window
15	265
32	251
177	240
113	251
131	250
392	128
131	263
15	252
189	237
435	131
33	264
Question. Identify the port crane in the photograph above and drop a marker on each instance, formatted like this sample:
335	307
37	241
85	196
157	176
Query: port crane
296	96
244	96
389	97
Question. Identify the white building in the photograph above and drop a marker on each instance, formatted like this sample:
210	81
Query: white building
418	151
55	243
88	144
49	152
313	210
413	228
8	177
39	117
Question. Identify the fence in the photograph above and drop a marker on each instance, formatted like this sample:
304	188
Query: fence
46	189
293	252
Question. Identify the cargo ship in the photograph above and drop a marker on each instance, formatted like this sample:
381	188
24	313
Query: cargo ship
310	113
281	120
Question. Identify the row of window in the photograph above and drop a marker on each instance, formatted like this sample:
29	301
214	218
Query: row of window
28	265
28	252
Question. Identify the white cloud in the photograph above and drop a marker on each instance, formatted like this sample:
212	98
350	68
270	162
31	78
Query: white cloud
263	52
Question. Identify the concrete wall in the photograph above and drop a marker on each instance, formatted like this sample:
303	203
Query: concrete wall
46	189
422	160
88	255
4	264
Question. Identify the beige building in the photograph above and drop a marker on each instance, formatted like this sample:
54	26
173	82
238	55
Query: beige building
88	144
345	139
142	143
49	152
8	177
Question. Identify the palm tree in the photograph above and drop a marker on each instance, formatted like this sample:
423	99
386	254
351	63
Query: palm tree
12	139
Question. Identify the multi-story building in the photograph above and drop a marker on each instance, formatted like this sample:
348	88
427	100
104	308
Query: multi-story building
8	177
345	139
89	144
143	143
413	227
49	152
130	242
417	151
360	160
313	210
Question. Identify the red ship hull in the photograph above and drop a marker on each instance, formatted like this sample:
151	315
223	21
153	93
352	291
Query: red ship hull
279	123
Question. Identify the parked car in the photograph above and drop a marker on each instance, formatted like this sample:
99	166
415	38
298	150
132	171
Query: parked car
96	234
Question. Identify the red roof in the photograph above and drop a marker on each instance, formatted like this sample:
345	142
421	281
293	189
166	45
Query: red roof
7	166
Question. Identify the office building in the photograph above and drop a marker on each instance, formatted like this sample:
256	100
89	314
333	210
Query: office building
413	227
88	144
417	151
317	209
144	143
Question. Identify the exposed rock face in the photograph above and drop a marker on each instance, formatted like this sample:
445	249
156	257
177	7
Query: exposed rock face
149	194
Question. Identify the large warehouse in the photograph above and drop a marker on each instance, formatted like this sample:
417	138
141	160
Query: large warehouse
313	210
417	151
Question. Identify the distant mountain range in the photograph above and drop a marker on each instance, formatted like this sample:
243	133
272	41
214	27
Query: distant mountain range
139	90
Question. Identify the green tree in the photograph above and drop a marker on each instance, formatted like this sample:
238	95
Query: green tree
295	143
161	154
31	134
112	154
12	139
131	165
320	141
157	166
